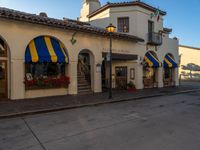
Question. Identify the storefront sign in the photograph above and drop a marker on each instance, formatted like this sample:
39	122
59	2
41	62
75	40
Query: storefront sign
132	74
108	57
117	51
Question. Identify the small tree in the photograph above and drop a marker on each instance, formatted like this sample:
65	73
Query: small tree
191	67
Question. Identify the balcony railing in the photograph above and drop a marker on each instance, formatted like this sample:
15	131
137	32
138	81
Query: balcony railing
154	38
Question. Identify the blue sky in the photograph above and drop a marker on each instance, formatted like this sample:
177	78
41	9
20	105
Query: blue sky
182	15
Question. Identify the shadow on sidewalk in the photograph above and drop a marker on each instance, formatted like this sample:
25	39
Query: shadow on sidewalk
11	108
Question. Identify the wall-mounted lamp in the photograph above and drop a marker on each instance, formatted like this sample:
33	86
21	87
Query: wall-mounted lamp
98	66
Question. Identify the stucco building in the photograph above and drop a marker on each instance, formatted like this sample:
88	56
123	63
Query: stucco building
189	62
42	56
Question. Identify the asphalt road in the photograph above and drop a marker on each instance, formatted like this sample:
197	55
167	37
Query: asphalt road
163	123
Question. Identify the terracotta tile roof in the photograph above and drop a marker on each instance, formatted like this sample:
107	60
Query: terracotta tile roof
190	47
125	4
64	24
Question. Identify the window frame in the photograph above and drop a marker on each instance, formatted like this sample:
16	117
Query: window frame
152	26
32	82
5	47
123	19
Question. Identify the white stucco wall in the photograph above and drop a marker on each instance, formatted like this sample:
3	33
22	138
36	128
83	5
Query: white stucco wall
189	55
138	19
101	20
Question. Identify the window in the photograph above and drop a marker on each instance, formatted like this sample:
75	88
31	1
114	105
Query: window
37	70
150	26
47	68
123	24
149	73
168	73
2	48
45	75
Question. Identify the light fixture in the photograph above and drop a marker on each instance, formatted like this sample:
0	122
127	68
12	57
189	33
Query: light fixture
111	28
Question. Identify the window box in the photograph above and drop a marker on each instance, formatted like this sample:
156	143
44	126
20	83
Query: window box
131	87
47	83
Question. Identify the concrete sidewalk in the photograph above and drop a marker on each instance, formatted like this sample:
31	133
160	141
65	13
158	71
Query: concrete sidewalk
43	105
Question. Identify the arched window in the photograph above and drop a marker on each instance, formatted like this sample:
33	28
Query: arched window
151	60
169	61
169	73
151	63
45	63
3	69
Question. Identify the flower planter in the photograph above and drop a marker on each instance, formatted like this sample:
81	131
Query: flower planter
47	83
131	89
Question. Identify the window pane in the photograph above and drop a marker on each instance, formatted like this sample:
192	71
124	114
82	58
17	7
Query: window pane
123	24
45	69
52	69
150	26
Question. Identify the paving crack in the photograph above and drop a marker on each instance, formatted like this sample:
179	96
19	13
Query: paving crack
32	132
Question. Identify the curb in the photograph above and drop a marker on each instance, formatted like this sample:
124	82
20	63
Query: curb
14	115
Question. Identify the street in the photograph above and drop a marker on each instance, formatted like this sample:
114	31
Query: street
162	123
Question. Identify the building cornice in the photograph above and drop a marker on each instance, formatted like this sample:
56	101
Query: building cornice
126	4
191	47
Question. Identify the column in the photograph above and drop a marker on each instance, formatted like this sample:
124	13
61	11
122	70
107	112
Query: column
17	79
160	77
176	76
72	73
139	76
97	78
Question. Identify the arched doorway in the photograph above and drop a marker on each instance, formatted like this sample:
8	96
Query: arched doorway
4	55
85	69
150	70
169	70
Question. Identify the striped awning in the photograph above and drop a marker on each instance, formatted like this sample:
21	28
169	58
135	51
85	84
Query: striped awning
46	49
169	62
152	61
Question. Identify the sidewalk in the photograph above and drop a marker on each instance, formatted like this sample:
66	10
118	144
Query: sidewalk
49	104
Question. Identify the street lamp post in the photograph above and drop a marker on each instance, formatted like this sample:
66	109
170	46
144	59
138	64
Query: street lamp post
110	30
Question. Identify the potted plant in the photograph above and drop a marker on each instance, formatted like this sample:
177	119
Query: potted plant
131	86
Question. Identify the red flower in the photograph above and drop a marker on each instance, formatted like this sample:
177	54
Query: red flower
62	81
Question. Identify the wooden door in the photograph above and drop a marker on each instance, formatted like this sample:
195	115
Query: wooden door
121	77
3	79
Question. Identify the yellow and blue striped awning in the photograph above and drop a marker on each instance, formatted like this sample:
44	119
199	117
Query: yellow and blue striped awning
169	62
46	49
152	61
